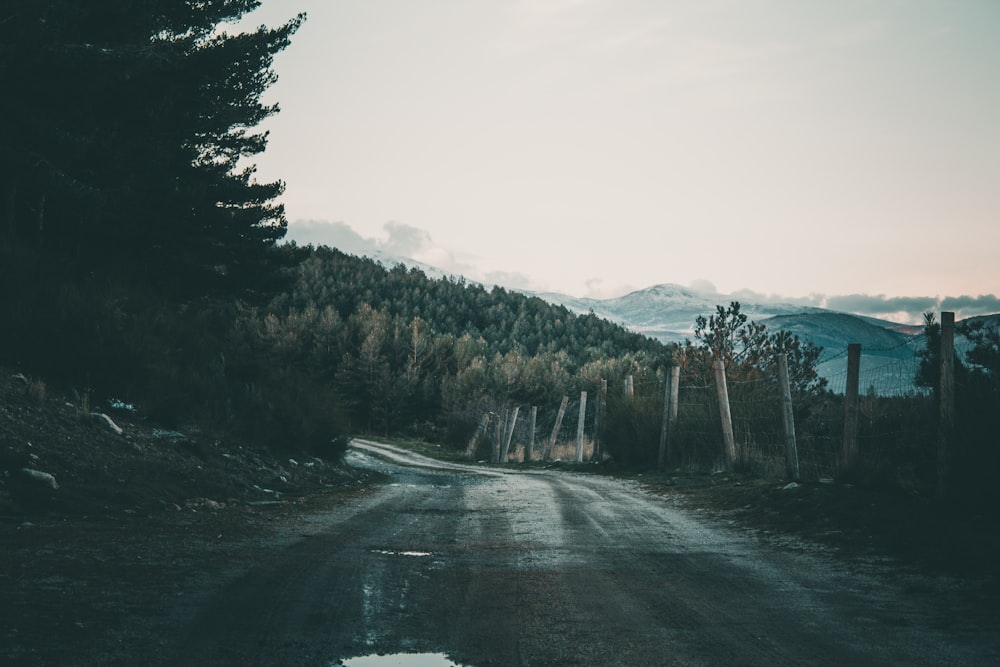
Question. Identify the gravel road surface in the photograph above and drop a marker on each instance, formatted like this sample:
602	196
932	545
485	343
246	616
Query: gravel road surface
554	568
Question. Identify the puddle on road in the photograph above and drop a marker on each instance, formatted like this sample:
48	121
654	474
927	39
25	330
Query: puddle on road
398	660
393	552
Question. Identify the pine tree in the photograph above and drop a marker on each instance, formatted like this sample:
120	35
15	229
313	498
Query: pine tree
748	350
125	136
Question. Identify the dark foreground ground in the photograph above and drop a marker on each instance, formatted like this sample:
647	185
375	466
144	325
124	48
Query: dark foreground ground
144	518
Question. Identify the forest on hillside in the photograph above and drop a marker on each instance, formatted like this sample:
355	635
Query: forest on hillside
400	353
139	256
348	346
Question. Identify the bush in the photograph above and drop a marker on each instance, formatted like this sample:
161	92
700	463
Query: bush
182	362
631	432
460	427
288	413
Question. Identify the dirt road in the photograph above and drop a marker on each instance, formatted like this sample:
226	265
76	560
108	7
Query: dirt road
552	568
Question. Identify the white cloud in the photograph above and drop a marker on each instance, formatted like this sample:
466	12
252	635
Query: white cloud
400	239
403	241
512	280
334	234
447	261
598	288
703	286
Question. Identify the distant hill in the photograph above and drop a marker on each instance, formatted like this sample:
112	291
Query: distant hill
992	321
668	313
888	356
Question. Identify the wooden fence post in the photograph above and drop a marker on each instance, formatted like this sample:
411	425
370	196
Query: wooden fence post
851	406
602	400
579	427
498	436
509	435
670	395
529	450
629	386
946	403
665	423
729	440
555	429
788	414
484	424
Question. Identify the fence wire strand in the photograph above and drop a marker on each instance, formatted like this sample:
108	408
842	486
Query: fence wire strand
895	420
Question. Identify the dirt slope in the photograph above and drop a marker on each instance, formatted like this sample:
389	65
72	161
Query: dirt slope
111	525
100	459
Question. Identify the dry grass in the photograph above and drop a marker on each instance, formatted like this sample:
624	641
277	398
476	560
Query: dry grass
36	392
561	452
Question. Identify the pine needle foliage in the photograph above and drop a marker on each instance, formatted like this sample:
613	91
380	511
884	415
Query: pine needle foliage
127	127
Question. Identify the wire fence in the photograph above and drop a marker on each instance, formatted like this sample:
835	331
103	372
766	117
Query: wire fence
887	371
886	429
895	423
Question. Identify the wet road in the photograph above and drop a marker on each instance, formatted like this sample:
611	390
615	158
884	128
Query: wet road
552	568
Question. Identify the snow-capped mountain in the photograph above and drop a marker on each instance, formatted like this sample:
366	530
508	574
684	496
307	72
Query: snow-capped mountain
668	312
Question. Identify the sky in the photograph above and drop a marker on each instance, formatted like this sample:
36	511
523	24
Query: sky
841	152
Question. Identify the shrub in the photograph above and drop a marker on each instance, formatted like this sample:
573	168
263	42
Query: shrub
36	392
631	432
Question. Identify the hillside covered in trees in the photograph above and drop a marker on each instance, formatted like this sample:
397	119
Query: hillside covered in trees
406	353
348	347
139	257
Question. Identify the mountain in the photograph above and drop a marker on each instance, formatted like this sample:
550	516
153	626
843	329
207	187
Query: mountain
990	321
668	313
888	357
835	331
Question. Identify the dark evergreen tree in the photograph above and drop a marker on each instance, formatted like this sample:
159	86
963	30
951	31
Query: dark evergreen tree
929	368
749	351
984	355
125	132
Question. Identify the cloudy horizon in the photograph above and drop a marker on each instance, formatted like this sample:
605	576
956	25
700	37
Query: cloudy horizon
842	153
401	242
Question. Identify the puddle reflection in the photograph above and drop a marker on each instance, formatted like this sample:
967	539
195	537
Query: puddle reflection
399	660
390	552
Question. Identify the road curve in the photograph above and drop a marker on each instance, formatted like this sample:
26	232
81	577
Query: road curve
553	568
